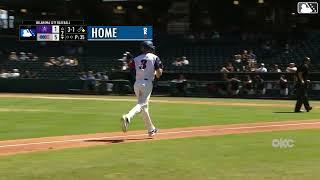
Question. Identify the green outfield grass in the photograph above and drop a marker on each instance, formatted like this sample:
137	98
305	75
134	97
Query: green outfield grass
26	117
238	157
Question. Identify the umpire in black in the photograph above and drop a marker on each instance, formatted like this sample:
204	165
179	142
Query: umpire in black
302	83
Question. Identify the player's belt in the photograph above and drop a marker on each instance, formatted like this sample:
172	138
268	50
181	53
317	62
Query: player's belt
146	79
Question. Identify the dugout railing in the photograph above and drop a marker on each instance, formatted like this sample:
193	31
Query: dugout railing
189	88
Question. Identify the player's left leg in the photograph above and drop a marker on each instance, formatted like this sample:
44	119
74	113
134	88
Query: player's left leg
145	109
299	94
306	104
146	118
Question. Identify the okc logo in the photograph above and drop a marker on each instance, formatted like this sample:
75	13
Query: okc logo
282	143
44	36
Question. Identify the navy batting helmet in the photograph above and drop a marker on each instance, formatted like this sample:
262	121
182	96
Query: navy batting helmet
147	45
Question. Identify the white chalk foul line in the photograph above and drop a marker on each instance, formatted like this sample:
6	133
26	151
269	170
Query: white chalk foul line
163	133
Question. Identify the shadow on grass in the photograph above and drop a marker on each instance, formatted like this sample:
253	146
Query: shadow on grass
285	112
106	140
114	141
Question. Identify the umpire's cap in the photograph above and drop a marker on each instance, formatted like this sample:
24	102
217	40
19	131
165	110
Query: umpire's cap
147	45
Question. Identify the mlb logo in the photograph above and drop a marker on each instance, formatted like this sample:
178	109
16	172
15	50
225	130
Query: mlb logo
27	33
307	7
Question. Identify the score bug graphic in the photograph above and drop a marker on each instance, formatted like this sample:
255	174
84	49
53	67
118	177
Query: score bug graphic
307	7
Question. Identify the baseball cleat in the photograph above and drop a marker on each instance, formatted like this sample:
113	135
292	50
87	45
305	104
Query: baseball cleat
309	109
153	132
124	123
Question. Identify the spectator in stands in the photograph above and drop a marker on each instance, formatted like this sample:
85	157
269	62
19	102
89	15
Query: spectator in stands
9	74
128	57
215	35
179	85
98	76
91	81
181	61
27	74
61	61
276	69
3	74
245	58
238	63
262	69
50	62
248	69
251	67
23	56
283	84
105	76
64	60
32	57
124	66
245	55
15	73
259	85
180	79
184	60
234	86
125	56
71	61
252	55
191	36
132	69
83	76
74	62
34	75
13	56
267	46
291	68
247	87
287	48
227	68
177	62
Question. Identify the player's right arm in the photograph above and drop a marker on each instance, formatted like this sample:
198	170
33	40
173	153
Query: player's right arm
158	72
300	71
158	67
300	77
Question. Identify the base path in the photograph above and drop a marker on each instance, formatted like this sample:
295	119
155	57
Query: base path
11	147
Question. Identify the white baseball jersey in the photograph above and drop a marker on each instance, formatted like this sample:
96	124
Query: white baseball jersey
145	65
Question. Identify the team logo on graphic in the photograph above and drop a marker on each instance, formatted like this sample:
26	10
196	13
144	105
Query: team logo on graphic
307	7
26	33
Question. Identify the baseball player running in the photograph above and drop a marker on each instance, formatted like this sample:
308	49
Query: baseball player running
146	65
